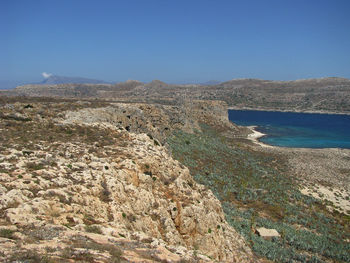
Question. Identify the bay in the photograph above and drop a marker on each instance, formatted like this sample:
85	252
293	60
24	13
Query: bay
302	130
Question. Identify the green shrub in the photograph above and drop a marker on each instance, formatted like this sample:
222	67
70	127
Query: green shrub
29	256
105	194
34	166
6	233
93	229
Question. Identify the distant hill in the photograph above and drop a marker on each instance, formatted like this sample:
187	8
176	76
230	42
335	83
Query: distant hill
210	82
54	79
312	95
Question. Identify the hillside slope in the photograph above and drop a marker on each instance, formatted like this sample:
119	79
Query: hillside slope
77	185
323	95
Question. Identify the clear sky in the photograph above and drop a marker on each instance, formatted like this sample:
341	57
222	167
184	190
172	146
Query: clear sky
175	40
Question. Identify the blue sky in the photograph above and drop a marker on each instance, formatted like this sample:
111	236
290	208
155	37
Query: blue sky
175	41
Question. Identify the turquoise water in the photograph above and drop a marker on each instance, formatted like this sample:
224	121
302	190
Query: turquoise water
306	130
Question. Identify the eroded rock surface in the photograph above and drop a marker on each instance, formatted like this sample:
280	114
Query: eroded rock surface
98	195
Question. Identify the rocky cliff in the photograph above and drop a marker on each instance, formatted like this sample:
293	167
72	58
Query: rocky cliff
81	185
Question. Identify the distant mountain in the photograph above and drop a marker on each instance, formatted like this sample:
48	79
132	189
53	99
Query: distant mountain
54	79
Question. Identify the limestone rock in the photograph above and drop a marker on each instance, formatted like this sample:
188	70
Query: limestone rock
130	190
267	233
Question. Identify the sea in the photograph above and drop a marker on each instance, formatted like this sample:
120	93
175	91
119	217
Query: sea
301	130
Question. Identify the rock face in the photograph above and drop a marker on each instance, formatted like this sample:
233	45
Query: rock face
158	121
129	191
138	118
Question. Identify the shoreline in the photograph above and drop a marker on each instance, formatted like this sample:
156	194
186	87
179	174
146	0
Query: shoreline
292	111
256	135
334	194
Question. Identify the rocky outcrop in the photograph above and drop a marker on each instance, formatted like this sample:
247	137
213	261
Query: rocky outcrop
158	121
267	233
128	195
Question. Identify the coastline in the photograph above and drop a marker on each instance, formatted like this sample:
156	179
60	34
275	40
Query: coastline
292	111
256	135
335	192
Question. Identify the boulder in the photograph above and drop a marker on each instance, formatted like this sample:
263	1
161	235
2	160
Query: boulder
267	233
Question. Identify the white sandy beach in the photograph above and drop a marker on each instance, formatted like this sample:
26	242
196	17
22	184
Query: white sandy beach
255	135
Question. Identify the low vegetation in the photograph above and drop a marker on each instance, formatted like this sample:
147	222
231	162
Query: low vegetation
7	233
93	229
256	191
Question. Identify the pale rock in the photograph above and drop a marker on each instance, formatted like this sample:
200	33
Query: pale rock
3	190
5	165
164	211
19	236
165	256
13	197
21	215
267	233
7	244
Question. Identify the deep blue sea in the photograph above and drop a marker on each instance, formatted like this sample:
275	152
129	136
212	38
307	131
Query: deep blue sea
305	130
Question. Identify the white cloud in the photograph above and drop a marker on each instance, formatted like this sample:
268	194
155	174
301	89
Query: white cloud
46	75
